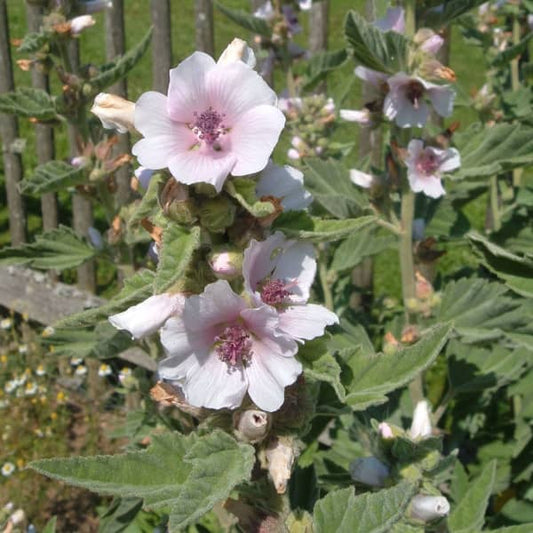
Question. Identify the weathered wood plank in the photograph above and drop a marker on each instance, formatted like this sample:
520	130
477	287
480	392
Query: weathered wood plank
205	35
33	294
9	133
161	44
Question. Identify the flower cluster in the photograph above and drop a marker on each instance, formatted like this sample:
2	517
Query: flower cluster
239	334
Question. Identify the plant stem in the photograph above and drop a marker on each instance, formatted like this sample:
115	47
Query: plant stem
515	85
326	289
495	204
406	245
410	17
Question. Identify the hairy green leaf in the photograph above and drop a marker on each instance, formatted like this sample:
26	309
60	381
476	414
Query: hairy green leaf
329	183
321	64
469	515
186	474
372	48
447	11
243	190
368	378
245	20
490	151
344	512
57	249
33	42
299	225
117	70
136	288
175	255
28	102
148	204
506	56
516	271
359	246
52	176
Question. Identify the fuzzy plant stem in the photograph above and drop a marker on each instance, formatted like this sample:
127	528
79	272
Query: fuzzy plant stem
515	85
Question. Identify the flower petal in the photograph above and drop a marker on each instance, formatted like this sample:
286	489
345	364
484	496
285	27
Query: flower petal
268	375
306	321
147	317
235	88
202	166
151	115
157	152
451	160
254	137
442	98
187	92
215	385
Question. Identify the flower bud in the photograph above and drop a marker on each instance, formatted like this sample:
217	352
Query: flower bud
226	264
78	24
115	113
428	41
421	425
216	214
251	425
280	458
428	508
361	178
292	153
385	431
369	471
237	50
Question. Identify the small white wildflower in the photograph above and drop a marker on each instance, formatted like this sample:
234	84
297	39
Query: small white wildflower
10	386
40	371
7	469
81	370
76	361
104	370
6	323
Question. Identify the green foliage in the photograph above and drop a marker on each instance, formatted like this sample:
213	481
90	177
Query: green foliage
53	176
113	72
355	248
28	103
175	255
321	64
186	474
510	53
372	48
245	20
490	151
33	42
299	225
469	515
344	512
56	249
136	288
369	377
243	190
515	271
329	183
450	10
148	203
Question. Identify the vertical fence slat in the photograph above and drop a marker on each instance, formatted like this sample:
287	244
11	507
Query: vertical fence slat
9	133
318	26
44	134
82	212
116	46
205	35
161	44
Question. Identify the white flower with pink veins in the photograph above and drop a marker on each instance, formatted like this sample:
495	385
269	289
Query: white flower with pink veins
220	348
279	273
425	167
217	119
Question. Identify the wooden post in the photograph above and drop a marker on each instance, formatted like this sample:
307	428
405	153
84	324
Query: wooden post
318	26
82	212
44	134
9	133
116	46
161	44
205	36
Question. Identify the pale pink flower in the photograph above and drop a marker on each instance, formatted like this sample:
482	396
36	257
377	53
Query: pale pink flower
432	44
292	153
279	273
405	102
373	77
361	178
286	183
219	349
216	120
147	317
353	115
426	165
385	431
78	24
394	20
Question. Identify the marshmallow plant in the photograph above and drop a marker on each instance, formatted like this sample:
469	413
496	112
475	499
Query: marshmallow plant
267	405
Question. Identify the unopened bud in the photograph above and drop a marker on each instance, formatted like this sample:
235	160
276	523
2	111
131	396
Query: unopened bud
369	471
428	508
390	344
410	334
252	425
226	264
428	41
280	458
423	288
115	113
385	431
421	425
237	50
217	214
362	179
78	24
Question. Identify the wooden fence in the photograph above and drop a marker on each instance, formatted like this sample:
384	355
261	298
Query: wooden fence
31	301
